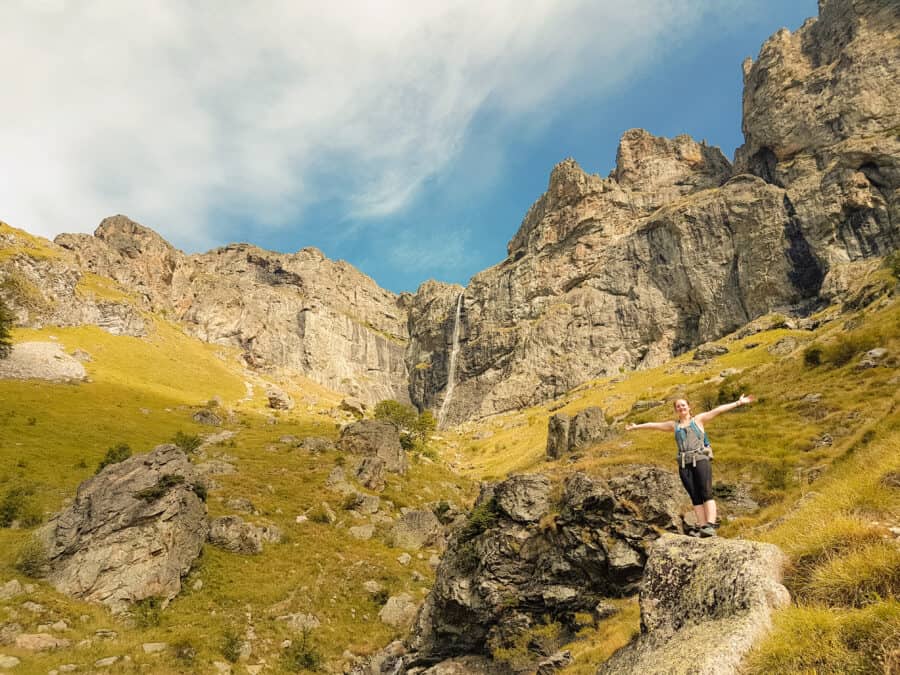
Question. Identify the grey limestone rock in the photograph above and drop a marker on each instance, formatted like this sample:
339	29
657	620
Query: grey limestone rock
131	533
502	574
233	534
417	528
716	592
565	434
375	438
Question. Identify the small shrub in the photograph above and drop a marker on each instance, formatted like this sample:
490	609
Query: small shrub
118	453
147	612
318	515
162	487
15	506
32	421
32	558
812	355
350	502
184	651
529	646
6	322
200	490
892	262
481	518
380	597
440	511
231	646
302	655
189	443
848	345
81	464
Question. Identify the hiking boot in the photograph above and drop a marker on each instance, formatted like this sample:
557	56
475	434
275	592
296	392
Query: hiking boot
692	531
707	531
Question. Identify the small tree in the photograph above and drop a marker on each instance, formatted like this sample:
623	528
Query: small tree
6	322
414	427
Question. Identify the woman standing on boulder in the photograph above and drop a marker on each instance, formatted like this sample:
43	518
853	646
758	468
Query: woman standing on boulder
694	455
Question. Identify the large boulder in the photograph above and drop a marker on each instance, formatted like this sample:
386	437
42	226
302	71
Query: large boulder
565	434
375	438
716	593
417	528
131	533
511	565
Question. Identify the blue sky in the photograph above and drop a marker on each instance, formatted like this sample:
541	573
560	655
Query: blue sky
406	138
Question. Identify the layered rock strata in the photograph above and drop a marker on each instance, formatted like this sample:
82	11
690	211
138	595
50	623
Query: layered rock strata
677	247
298	311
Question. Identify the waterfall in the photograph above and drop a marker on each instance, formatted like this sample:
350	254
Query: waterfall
451	368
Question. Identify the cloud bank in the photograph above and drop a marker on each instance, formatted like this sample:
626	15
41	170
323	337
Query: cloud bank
188	116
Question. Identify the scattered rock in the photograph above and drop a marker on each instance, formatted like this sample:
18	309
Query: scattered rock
9	632
107	662
41	361
279	399
399	611
82	356
709	351
784	346
40	642
154	647
872	358
372	586
11	589
233	534
416	529
299	622
362	532
207	417
316	444
404	558
241	504
370	473
354	406
554	662
215	467
8	662
289	440
730	372
34	607
645	404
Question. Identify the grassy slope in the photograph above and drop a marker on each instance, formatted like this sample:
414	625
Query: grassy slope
844	571
141	392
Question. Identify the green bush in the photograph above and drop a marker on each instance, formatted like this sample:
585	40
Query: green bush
118	453
16	506
147	612
231	646
199	489
32	558
302	655
187	442
848	345
162	487
6	322
892	262
812	355
184	651
481	518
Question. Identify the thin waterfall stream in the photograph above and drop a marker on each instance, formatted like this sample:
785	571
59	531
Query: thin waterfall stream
451	368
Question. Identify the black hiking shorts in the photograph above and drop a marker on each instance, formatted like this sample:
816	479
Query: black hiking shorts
697	480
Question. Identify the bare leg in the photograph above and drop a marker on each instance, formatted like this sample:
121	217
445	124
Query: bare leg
710	510
700	512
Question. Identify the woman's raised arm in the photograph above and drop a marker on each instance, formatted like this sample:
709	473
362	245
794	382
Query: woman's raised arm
655	426
709	414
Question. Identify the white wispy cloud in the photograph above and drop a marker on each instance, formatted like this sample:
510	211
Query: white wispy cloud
173	112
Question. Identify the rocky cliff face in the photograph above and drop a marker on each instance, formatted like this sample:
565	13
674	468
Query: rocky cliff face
676	246
300	311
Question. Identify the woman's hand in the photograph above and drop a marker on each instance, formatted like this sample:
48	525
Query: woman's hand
630	427
745	400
